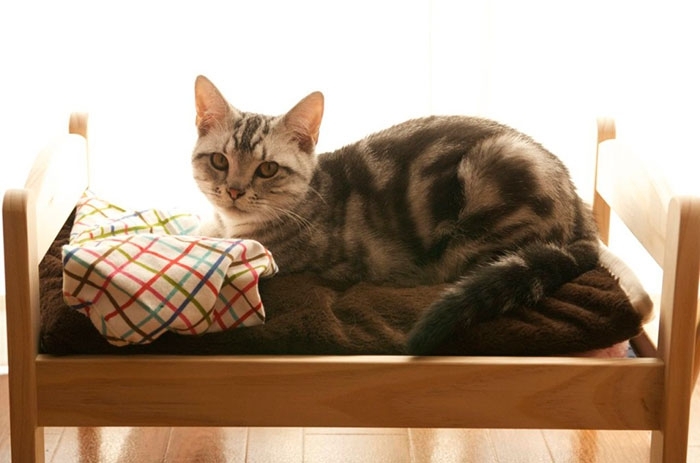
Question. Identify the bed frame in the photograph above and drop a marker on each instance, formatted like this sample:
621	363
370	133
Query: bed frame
650	393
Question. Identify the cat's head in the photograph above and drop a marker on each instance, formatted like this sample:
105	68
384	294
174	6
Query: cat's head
251	167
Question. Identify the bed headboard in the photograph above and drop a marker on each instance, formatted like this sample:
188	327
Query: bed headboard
46	188
641	201
668	226
27	234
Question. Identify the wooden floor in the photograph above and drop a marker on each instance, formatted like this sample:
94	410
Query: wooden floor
233	445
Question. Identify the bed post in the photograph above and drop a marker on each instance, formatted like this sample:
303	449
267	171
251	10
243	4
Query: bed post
677	328
78	125
601	209
22	306
696	370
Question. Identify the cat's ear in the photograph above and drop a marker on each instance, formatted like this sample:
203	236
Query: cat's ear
212	107
304	121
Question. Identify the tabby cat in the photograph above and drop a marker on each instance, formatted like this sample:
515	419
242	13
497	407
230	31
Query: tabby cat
439	199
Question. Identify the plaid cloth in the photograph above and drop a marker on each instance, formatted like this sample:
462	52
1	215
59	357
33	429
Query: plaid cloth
136	274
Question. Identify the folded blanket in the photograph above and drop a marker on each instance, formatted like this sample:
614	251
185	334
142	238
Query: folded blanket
136	274
306	315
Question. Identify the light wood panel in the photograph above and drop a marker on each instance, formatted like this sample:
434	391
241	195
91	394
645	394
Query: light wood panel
639	198
52	195
288	444
350	391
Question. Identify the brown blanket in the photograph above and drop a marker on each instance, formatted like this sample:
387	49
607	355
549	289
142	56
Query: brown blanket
306	315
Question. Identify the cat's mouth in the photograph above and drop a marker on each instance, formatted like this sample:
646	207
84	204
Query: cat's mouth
234	206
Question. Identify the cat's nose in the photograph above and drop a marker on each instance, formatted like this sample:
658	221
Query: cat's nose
235	194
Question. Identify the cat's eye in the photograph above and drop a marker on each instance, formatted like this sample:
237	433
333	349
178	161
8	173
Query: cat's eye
218	161
267	169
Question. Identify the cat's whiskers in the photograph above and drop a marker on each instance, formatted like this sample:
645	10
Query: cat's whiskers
280	212
214	193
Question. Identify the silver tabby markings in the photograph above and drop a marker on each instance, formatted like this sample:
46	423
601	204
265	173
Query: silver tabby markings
452	199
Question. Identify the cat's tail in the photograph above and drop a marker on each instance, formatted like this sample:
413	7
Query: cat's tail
518	279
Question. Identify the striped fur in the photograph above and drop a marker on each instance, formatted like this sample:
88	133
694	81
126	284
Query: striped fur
454	199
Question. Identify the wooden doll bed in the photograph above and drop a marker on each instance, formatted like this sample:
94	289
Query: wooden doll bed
158	388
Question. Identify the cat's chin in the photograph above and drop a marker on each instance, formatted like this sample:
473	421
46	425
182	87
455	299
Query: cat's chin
233	214
232	210
238	223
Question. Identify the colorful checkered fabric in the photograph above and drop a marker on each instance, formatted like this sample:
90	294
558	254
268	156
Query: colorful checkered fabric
136	274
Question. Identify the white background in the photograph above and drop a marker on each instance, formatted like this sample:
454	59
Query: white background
546	67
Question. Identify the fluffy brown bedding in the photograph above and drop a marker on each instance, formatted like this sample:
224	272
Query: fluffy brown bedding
306	315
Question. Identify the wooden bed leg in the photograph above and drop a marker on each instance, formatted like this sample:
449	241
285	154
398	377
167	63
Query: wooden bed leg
27	445
696	370
601	209
22	308
676	341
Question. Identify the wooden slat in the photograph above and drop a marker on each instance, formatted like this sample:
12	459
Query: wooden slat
639	199
355	391
55	197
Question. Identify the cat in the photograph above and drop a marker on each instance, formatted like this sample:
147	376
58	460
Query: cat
455	199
